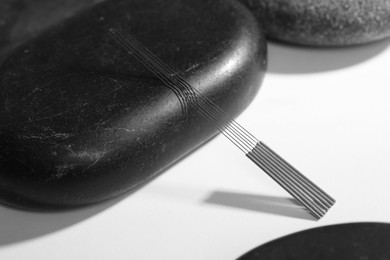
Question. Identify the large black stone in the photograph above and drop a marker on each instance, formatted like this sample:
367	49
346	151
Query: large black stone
323	22
368	241
82	121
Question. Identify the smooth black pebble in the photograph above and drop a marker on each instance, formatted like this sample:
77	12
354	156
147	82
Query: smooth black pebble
82	121
323	22
368	241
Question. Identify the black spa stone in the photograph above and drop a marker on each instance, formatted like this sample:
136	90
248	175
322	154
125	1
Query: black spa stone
367	240
83	121
323	22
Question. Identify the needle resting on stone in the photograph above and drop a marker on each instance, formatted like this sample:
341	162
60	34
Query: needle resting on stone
315	200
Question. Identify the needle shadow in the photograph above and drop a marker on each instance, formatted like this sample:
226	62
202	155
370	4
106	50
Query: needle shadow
259	203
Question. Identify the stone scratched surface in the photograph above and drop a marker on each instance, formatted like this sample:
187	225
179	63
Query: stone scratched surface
83	121
323	22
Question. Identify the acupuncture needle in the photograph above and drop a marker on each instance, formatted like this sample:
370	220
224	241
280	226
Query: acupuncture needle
314	199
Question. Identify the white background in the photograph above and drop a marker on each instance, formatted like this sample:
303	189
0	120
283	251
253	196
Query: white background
327	111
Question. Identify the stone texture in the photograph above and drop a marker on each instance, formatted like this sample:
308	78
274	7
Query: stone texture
22	19
369	241
323	22
83	121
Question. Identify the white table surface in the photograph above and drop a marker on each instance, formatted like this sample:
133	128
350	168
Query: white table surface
327	111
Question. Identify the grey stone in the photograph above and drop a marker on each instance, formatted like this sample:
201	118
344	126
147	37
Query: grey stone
323	22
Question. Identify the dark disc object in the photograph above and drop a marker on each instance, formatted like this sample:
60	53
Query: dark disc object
323	22
83	121
368	241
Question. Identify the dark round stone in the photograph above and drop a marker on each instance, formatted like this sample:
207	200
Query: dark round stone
83	121
369	241
323	22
